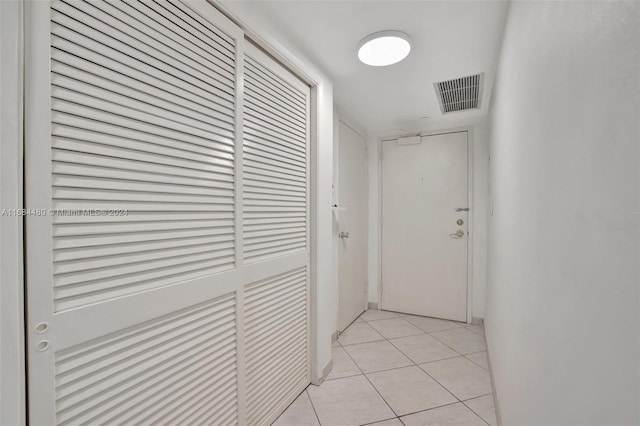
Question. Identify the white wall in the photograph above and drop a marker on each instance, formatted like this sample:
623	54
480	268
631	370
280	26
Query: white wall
479	141
562	316
12	366
322	249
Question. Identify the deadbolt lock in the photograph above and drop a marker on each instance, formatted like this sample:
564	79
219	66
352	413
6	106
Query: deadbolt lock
460	222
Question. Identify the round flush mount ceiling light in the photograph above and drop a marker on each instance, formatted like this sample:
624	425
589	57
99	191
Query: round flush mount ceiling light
384	48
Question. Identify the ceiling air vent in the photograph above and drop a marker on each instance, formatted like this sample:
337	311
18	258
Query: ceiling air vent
460	94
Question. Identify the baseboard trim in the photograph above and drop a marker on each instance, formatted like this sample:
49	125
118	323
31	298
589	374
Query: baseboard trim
477	321
325	373
373	305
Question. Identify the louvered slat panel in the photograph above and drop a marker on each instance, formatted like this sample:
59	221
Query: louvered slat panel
182	21
169	35
167	368
143	119
275	342
287	94
274	165
127	41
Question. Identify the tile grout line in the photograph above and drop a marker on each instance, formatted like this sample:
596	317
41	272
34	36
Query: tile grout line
427	373
362	373
362	343
384	338
481	366
473	411
350	324
444	343
312	406
429	409
436	380
380	421
429	334
435	331
421	331
385	401
415	364
344	377
397	368
379	319
458	400
372	385
474	325
405	320
472	353
453	327
401	337
364	322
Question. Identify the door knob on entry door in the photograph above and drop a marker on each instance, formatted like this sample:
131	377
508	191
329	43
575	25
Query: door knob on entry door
344	235
459	234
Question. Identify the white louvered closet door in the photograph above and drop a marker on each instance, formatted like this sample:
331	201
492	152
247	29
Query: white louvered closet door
276	236
171	284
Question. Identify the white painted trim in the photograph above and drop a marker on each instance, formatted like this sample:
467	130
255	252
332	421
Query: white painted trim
326	370
239	218
313	237
12	350
379	225
470	192
477	321
270	46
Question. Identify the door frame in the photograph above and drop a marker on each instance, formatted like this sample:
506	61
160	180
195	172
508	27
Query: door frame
470	225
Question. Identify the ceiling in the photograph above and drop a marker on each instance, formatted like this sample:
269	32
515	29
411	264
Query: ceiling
450	39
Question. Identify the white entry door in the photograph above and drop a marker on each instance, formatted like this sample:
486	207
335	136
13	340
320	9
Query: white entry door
424	226
352	225
167	166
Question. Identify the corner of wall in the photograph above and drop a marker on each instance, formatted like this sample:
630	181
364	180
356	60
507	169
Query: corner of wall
12	354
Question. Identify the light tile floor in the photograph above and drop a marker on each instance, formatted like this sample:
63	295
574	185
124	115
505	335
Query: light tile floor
392	369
